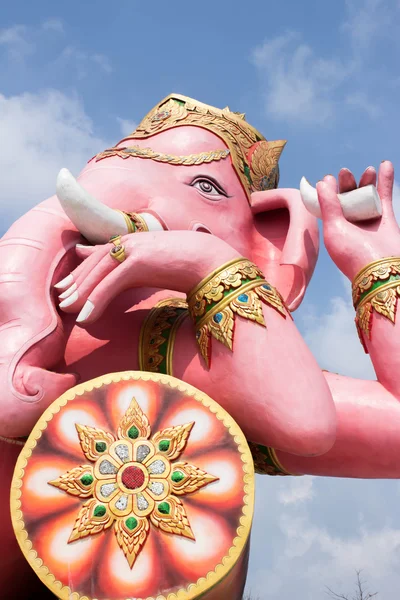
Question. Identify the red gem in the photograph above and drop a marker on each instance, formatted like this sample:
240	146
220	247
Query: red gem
133	478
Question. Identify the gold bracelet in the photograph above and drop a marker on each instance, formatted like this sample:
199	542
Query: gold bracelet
266	461
376	287
158	333
236	288
156	346
129	224
138	222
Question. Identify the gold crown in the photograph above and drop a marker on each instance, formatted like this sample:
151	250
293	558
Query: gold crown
254	158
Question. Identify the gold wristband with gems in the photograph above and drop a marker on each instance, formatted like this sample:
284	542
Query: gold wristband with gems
236	288
376	287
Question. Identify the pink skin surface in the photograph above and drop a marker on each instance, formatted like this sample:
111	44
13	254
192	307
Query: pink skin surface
270	383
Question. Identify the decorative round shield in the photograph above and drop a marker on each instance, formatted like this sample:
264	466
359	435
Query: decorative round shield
135	485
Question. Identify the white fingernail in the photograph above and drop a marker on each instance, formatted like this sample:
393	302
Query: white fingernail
68	292
85	312
70	300
64	283
82	246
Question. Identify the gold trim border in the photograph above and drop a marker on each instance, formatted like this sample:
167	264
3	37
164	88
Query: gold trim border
211	275
171	342
193	590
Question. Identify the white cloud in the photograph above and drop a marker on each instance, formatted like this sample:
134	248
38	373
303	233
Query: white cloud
333	339
367	20
15	40
300	84
82	62
298	489
41	133
53	25
126	126
103	62
359	100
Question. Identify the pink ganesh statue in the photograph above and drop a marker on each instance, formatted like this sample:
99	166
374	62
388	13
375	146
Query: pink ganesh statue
175	254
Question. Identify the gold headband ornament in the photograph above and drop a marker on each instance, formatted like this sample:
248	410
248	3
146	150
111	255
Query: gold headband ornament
254	159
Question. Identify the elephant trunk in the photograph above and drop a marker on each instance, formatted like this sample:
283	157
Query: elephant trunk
35	252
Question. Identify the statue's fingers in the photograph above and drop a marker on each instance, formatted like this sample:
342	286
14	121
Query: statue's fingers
100	297
347	181
328	201
385	186
368	177
86	282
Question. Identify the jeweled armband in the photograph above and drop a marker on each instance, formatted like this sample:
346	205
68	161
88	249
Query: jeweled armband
135	223
236	288
376	287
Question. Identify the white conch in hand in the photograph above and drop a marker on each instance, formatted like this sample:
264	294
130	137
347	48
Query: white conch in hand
361	204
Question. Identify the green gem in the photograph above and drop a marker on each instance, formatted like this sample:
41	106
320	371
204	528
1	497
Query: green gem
101	446
164	445
131	523
164	508
86	479
177	476
99	511
247	173
133	432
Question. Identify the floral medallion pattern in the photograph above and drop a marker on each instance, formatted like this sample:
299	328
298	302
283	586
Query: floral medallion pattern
152	498
132	482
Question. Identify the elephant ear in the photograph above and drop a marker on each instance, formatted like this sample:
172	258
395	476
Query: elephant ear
286	241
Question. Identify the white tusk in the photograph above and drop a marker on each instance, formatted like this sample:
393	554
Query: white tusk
95	221
152	223
361	204
310	198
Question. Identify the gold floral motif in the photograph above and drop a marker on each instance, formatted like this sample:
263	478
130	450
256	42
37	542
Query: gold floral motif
159	329
71	481
215	575
133	481
91	438
88	523
384	301
139	152
266	461
138	222
264	164
379	270
240	137
134	417
177	437
194	479
131	542
175	522
212	288
237	287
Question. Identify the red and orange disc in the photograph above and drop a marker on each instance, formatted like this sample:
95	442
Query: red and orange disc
135	485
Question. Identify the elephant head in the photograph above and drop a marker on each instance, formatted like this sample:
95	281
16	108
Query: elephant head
187	166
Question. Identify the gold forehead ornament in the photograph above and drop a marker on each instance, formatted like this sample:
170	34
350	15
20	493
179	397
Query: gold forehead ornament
254	159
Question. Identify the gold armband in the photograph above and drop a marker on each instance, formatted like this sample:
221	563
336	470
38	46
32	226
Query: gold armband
156	346
376	287
134	222
266	461
157	336
236	288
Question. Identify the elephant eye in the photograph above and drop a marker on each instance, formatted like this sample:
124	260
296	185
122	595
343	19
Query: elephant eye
209	187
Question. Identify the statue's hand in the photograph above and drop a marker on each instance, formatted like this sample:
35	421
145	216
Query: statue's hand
172	260
353	246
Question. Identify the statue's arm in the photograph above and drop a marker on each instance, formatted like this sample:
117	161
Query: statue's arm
353	247
270	382
367	444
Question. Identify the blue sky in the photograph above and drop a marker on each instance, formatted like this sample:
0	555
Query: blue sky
76	76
